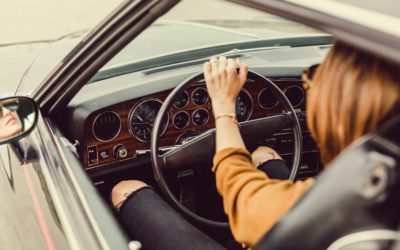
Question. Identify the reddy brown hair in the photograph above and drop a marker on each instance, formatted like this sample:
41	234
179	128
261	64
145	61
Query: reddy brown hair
352	94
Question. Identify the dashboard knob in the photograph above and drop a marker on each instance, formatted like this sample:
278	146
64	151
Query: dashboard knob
120	151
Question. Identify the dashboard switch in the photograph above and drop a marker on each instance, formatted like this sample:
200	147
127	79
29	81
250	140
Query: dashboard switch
120	151
92	155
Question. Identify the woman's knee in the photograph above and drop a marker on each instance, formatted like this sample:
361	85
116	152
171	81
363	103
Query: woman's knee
123	189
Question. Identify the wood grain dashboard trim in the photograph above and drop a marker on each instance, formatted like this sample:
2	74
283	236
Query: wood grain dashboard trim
171	134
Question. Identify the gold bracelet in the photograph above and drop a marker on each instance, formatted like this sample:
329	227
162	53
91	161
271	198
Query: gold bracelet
231	115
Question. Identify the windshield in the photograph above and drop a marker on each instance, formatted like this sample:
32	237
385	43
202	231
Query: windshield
192	27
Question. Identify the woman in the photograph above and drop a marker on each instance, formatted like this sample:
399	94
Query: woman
10	123
351	94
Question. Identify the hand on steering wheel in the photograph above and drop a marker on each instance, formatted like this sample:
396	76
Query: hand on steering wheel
224	83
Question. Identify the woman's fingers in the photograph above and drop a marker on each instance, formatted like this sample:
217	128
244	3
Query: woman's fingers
222	79
243	70
222	65
214	67
231	66
207	71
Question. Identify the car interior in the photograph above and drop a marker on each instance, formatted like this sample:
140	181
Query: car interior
112	118
146	115
117	116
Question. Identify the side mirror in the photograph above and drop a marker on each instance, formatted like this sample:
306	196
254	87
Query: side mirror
18	117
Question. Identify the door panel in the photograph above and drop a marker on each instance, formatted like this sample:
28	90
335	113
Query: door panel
26	207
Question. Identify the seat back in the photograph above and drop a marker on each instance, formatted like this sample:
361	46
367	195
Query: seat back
357	192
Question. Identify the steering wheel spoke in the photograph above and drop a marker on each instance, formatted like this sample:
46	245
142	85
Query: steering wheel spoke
264	126
196	152
199	151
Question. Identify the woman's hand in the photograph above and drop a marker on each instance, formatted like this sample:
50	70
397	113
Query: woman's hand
224	83
263	154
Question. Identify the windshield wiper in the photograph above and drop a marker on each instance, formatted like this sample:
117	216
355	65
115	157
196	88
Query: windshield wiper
197	56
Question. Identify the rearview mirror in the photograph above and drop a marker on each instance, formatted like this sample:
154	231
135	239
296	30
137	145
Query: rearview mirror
18	117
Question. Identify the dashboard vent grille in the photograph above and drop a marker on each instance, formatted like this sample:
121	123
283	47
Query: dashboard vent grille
106	126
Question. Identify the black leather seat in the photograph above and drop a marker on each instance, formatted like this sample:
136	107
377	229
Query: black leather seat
359	191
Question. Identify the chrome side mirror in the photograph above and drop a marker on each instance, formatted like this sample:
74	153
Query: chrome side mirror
18	117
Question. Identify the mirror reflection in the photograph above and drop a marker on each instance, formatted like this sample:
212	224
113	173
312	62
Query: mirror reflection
17	116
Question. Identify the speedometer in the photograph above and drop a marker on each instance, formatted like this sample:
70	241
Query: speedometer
142	117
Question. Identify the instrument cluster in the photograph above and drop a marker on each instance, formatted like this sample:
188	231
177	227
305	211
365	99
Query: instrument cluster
123	131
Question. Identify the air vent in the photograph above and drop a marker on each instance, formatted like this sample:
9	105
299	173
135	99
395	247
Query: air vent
106	126
295	94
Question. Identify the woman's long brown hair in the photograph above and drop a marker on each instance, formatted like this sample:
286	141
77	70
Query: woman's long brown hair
352	94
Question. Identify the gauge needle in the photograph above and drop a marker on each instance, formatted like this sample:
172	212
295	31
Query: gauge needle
138	117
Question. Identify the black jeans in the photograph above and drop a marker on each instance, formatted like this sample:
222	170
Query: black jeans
151	221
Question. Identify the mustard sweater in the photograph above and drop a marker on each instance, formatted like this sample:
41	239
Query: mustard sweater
252	201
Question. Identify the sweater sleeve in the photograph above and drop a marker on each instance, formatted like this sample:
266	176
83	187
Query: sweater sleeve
252	201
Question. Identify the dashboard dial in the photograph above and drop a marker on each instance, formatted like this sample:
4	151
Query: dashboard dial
181	120
244	106
200	117
181	100
295	94
267	99
142	117
199	96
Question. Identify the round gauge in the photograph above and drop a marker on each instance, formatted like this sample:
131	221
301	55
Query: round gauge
181	120
181	100
267	99
199	96
295	94
106	126
200	117
244	106
142	117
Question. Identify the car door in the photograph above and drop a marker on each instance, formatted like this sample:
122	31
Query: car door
49	202
29	219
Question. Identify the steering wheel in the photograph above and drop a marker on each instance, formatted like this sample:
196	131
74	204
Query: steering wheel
201	149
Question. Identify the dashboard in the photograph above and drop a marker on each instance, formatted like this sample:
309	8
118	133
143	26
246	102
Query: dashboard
112	119
122	132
